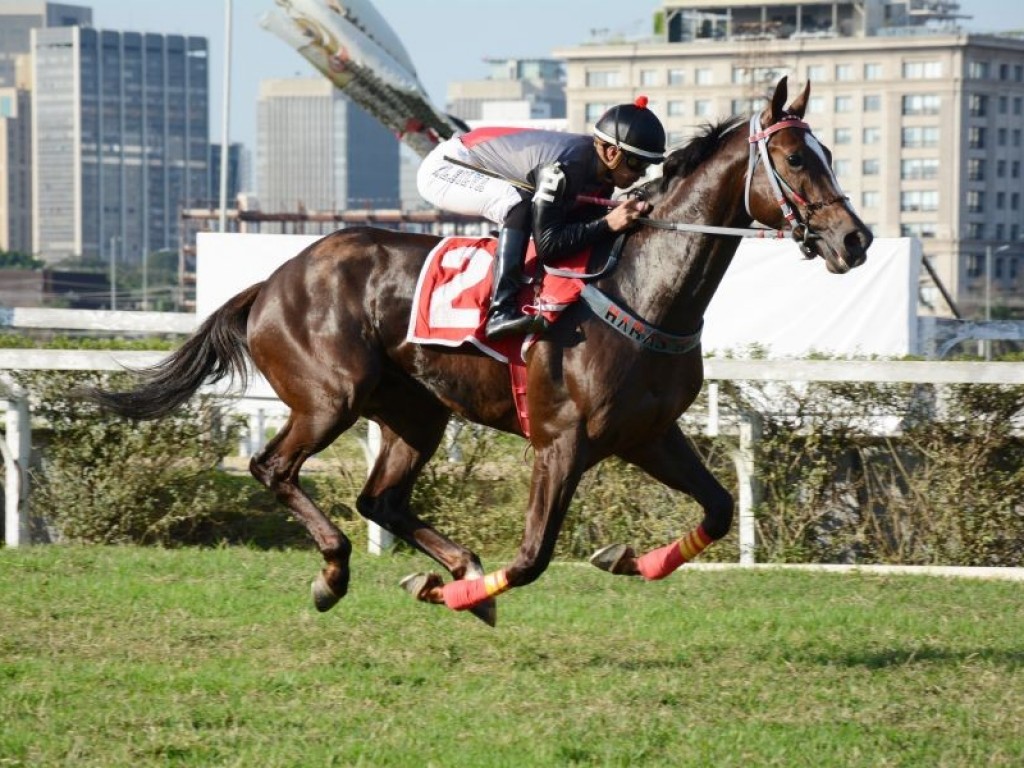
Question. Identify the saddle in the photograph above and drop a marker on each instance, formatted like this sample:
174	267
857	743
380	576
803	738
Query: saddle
453	293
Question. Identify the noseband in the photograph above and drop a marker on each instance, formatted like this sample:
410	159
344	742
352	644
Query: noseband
758	139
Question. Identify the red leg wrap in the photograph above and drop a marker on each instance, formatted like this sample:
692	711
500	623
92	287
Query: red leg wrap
466	593
659	563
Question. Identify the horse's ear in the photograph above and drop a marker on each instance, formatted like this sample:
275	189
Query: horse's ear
777	109
799	105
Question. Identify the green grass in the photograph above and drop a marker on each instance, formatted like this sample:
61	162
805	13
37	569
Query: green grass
146	657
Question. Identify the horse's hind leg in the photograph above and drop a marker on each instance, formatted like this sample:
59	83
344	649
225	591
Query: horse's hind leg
674	462
385	497
277	467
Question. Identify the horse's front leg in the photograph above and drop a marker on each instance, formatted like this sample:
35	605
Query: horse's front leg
672	460
557	469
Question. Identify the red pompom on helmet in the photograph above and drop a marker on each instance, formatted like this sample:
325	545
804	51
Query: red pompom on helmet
634	129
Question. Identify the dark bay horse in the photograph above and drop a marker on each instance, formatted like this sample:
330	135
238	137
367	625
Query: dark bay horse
328	331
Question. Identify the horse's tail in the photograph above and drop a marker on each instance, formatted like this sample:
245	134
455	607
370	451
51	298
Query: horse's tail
216	350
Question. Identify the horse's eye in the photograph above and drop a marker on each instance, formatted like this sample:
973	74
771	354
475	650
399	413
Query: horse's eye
795	161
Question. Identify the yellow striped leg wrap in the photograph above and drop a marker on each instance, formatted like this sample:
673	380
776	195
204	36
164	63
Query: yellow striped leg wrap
693	543
496	583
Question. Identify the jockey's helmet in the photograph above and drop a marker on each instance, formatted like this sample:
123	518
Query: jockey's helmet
633	128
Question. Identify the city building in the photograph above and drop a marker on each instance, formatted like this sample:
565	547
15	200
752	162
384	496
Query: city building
16	164
17	20
318	151
237	173
924	119
121	146
515	89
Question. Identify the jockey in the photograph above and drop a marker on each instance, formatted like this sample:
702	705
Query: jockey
520	166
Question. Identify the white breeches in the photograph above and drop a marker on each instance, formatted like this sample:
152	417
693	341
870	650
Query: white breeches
453	188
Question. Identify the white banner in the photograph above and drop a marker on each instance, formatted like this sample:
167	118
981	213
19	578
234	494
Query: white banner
771	296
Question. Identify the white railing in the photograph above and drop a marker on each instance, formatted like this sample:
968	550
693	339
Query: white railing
716	370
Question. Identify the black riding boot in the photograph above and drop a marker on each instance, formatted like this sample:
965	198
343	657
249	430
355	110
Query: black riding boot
504	317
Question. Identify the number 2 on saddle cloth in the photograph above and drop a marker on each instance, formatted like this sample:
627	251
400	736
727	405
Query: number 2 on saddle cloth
453	293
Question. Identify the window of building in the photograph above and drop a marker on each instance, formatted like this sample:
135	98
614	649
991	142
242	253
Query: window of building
922	70
921	104
978	70
593	111
1000	169
975	137
1015	137
998	232
844	71
872	102
841	168
648	77
1000	200
1018	73
844	104
603	78
919	200
872	71
703	76
975	201
920	230
816	73
869	199
676	77
676	108
675	138
1004	105
871	135
975	230
871	166
975	169
920	136
746	106
6	106
843	136
1004	71
1000	137
917	168
1015	201
816	105
1018	105
702	108
977	105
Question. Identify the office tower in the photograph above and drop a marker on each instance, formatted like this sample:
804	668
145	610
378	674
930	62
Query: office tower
236	173
515	89
17	20
923	118
120	130
16	165
318	151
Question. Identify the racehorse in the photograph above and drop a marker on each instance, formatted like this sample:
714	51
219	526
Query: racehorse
328	332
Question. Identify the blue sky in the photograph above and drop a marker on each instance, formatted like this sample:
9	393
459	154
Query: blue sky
447	39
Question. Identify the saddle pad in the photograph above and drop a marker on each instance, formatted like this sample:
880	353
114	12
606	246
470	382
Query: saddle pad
454	291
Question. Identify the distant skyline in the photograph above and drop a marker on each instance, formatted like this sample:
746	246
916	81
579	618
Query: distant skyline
446	39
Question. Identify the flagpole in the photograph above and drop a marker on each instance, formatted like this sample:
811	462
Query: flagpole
225	119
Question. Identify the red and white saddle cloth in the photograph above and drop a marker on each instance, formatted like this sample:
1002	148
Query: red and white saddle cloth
454	291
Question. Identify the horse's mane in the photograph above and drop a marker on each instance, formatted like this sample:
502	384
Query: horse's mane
685	160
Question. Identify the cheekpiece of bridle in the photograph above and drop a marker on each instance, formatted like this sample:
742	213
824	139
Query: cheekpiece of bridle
800	229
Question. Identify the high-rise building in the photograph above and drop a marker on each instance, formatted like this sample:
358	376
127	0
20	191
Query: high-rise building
16	164
237	170
318	151
924	119
120	127
17	20
515	89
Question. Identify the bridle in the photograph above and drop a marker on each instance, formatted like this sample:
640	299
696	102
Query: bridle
758	139
799	229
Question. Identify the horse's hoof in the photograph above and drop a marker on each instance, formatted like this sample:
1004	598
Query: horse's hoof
419	585
324	598
613	558
487	611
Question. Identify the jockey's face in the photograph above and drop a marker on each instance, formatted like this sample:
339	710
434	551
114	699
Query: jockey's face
619	167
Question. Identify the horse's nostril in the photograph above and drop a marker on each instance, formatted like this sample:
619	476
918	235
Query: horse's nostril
858	240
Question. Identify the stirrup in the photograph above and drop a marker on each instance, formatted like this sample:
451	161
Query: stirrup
518	325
